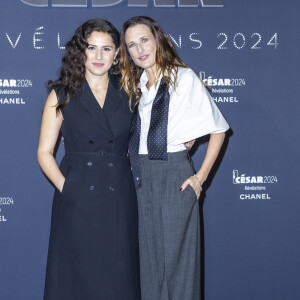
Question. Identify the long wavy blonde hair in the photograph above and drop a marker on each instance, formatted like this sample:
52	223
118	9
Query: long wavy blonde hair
167	60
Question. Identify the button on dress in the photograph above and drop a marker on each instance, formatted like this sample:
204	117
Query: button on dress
93	247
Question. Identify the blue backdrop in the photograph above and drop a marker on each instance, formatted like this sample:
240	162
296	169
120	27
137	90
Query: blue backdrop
248	51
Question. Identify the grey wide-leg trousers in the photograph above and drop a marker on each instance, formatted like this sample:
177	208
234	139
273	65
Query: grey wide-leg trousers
169	234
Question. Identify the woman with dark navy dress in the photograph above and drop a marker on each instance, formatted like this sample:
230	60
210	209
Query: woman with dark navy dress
173	108
93	247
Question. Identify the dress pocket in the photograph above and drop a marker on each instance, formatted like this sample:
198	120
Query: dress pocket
65	186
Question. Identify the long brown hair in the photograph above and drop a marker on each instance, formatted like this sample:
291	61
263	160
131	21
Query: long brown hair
72	70
167	60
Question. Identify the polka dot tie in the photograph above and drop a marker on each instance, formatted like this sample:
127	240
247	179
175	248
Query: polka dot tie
157	135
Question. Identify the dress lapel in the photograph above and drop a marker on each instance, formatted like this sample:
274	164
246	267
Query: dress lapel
89	101
113	97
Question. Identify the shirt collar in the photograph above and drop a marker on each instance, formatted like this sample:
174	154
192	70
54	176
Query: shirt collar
144	79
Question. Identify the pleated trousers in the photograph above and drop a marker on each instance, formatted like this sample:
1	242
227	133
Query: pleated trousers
169	233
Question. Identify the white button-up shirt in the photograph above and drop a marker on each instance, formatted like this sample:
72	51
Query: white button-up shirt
192	112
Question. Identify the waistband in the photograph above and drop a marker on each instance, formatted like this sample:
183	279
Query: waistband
99	154
172	157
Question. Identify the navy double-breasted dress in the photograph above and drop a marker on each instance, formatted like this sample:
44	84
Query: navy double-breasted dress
93	248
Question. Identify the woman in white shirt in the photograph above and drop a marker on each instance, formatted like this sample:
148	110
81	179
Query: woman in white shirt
172	107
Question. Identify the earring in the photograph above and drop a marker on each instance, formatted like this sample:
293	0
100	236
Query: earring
115	62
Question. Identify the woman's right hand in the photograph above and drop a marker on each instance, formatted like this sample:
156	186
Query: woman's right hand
62	185
51	124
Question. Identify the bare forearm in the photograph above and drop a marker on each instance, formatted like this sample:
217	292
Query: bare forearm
213	149
51	170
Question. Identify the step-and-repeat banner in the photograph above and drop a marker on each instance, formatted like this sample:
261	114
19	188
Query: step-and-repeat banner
248	52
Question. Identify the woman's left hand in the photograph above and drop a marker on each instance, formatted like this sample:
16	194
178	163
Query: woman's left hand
189	145
193	182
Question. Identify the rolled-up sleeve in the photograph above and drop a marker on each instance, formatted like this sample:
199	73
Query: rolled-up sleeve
195	113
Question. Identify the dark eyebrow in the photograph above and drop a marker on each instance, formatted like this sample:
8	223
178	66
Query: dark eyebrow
107	46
